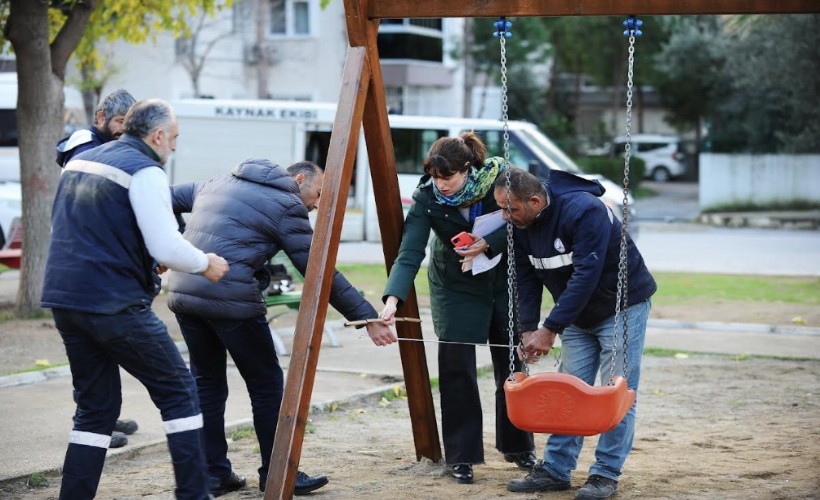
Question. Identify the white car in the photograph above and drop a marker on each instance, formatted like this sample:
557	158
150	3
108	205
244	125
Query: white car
11	208
661	153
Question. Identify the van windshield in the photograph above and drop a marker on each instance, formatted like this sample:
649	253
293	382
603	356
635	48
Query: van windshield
539	142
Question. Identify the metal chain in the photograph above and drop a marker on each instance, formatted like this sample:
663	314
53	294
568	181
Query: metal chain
621	300
504	107
512	288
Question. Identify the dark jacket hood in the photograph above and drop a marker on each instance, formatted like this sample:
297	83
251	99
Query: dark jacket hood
266	173
561	182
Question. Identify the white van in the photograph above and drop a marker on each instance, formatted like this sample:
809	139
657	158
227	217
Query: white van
10	189
216	135
74	116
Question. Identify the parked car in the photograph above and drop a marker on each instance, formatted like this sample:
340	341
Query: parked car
11	206
661	153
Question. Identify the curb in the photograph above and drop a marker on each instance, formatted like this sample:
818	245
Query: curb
133	450
732	327
35	377
804	219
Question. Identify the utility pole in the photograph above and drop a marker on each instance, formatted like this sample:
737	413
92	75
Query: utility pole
469	67
262	67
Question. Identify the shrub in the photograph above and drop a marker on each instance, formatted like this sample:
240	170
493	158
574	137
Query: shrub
613	169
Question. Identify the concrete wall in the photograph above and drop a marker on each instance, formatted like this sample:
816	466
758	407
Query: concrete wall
759	179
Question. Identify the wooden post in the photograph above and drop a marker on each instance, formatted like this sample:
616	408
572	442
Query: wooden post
388	200
290	431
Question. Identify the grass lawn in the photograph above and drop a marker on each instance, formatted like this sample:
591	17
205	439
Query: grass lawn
673	288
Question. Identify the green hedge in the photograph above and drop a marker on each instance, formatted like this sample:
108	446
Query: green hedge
613	169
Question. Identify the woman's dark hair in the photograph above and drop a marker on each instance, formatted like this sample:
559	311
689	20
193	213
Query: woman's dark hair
451	155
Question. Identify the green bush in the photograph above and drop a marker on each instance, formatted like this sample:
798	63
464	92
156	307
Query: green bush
613	169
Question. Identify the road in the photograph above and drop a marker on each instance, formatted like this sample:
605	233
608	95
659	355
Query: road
669	241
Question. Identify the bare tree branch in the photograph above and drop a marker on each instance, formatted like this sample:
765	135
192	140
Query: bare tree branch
69	35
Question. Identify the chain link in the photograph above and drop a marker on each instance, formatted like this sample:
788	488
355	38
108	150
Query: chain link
621	298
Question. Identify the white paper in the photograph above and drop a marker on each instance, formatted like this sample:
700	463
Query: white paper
488	223
481	263
484	225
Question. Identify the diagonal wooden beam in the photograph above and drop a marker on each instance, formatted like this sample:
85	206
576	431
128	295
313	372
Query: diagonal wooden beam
310	322
388	202
382	9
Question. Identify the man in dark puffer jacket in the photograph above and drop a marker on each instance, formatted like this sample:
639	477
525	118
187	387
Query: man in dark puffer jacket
248	217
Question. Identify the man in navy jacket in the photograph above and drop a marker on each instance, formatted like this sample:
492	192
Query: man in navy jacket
568	240
108	126
111	224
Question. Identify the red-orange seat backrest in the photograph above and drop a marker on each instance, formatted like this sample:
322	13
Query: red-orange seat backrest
558	403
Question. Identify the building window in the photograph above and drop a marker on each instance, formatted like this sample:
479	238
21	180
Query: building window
395	100
290	17
411	146
433	24
410	46
416	39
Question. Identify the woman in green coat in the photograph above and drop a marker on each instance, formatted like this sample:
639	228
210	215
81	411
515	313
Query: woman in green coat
467	309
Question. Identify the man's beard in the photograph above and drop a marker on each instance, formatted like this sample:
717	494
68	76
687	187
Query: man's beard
106	129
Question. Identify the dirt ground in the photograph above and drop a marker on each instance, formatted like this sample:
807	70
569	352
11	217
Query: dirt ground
708	427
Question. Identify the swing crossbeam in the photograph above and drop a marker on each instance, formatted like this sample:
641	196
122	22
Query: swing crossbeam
558	403
522	8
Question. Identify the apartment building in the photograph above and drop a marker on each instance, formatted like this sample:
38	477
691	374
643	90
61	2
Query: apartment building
294	50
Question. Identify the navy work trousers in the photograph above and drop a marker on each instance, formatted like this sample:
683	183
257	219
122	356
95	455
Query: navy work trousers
251	347
97	345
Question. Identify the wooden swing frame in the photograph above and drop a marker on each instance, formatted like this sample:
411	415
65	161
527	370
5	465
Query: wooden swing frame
362	103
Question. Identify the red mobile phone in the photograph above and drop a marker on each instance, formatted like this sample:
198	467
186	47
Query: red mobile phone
462	239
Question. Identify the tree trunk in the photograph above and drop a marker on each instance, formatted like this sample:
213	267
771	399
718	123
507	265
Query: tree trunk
40	102
39	125
695	163
639	106
90	94
618	73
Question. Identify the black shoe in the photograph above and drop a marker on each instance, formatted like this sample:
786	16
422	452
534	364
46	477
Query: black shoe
524	460
118	440
305	484
127	427
537	480
597	487
220	486
463	473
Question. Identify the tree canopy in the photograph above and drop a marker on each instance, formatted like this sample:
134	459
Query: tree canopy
43	36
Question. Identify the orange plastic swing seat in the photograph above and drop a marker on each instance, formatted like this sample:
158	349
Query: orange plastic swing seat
558	403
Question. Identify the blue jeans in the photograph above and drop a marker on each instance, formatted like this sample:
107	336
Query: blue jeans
97	345
251	347
584	352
